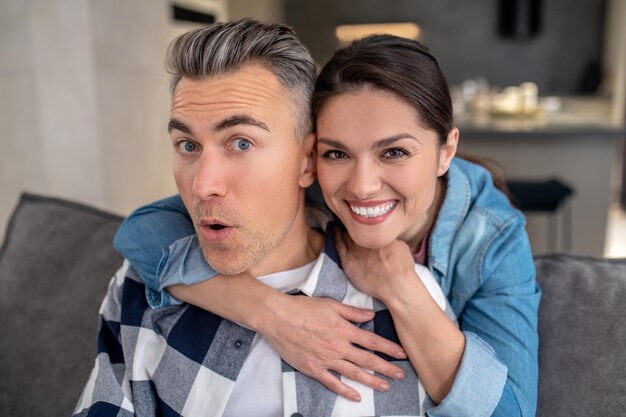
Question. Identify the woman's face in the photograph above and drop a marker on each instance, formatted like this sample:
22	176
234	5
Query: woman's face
378	167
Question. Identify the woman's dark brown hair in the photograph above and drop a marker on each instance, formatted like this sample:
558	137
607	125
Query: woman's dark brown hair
391	64
402	67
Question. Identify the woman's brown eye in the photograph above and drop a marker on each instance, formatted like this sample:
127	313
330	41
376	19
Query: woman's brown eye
395	153
334	155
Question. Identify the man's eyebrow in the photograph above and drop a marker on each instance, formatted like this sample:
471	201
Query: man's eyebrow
178	125
240	119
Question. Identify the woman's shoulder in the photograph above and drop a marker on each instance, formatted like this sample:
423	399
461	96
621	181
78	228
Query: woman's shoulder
483	196
475	217
487	228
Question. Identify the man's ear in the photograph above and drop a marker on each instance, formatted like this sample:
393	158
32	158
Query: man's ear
309	157
447	151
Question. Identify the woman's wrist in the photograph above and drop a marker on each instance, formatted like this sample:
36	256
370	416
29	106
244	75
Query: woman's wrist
404	290
265	308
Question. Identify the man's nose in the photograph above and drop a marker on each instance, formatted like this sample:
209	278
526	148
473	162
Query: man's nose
210	178
364	181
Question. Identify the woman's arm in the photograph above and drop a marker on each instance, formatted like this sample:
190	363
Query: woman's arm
313	335
504	314
495	366
431	340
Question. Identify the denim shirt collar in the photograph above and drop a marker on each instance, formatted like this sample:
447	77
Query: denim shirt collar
454	209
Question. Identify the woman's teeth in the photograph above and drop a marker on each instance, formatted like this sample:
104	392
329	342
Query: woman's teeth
374	211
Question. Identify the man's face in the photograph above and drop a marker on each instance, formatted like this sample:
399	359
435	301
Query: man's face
239	167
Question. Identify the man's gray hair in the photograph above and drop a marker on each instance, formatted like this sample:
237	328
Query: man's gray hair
224	47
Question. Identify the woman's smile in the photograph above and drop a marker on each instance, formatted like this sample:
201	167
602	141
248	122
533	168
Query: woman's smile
371	212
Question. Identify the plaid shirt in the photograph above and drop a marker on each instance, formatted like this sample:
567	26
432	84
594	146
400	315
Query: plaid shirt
184	361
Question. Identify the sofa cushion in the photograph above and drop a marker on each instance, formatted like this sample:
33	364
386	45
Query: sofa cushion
55	265
582	336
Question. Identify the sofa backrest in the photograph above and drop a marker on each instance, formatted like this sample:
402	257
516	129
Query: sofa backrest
582	336
57	260
55	266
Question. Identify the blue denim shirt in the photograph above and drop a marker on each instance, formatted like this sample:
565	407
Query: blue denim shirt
478	252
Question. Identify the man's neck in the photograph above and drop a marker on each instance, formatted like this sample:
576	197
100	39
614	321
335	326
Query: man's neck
300	246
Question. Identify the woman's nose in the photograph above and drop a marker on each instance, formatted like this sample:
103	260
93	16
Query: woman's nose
364	181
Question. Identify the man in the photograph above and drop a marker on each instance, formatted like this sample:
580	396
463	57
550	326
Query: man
241	131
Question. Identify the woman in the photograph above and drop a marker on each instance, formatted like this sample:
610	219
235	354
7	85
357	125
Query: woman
385	164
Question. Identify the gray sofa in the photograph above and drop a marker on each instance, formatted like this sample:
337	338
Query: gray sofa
57	260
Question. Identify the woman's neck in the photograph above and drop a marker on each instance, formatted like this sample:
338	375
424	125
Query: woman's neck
431	216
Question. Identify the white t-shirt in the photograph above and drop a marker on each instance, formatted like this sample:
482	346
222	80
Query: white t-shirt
258	390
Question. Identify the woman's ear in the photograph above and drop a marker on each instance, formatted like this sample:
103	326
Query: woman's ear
447	151
308	168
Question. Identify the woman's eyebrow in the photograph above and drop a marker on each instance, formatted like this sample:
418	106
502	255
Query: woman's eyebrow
378	144
392	139
332	143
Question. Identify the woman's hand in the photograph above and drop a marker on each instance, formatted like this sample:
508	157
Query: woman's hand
316	336
380	273
313	335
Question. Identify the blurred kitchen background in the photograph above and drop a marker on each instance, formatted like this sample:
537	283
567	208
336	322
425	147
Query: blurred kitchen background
539	87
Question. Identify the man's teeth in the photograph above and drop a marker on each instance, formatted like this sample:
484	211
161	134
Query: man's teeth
374	211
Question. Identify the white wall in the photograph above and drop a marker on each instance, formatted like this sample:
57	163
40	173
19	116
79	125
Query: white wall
615	57
49	141
267	11
85	100
22	161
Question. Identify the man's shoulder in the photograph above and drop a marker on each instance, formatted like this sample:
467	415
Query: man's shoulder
173	357
178	330
126	304
111	308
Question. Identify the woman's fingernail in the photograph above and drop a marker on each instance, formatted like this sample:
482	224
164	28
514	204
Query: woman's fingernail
356	397
399	375
401	355
384	386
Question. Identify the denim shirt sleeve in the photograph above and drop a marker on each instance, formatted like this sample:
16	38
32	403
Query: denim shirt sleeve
499	370
161	244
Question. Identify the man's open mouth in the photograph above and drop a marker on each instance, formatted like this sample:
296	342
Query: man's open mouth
216	226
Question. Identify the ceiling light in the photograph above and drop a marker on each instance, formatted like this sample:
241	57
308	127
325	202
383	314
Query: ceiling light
348	33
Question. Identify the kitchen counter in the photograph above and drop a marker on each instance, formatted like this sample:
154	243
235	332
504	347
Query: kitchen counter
579	144
577	116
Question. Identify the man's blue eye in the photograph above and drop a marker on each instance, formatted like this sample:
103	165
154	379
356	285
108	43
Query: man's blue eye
242	144
187	146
